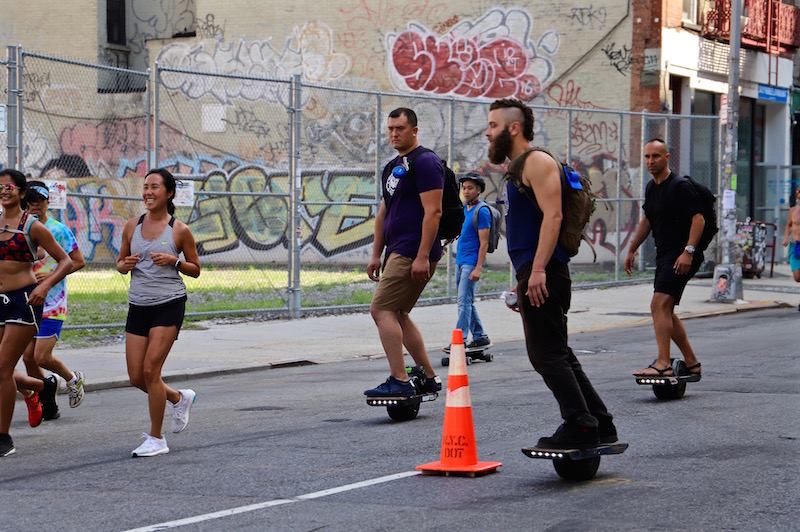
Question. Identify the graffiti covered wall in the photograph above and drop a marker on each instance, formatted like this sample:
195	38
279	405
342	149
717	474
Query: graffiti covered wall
230	132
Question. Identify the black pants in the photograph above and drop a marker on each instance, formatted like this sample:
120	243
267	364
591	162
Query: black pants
546	342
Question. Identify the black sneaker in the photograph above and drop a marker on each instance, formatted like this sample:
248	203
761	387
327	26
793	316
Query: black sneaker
480	342
433	384
607	431
48	399
571	436
6	445
392	388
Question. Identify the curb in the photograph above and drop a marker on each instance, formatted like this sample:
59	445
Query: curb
755	305
191	374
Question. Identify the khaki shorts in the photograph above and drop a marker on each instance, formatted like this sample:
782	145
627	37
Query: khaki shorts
396	291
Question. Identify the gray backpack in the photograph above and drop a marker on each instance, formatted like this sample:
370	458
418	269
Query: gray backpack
494	229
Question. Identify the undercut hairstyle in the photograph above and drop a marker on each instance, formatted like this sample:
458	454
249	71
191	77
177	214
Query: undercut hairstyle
411	116
662	141
527	114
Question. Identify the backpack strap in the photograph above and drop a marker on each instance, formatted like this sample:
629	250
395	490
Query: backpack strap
516	176
516	179
409	162
478	206
32	246
141	219
412	160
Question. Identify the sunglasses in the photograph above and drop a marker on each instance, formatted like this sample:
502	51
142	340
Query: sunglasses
7	187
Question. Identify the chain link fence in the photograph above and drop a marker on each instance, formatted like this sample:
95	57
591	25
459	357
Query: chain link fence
280	180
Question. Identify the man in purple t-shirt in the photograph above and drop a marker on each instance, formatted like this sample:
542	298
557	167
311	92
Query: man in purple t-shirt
407	225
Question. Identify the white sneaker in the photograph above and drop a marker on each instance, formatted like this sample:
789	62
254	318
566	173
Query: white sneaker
151	446
180	411
76	391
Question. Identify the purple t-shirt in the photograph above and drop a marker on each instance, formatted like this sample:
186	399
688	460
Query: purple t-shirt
402	226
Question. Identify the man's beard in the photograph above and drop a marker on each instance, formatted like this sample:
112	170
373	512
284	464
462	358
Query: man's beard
500	147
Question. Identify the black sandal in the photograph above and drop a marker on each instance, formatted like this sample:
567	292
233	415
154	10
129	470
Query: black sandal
660	372
696	366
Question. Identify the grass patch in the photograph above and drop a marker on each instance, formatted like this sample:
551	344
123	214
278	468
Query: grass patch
100	296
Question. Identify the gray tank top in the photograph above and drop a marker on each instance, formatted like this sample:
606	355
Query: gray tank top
152	284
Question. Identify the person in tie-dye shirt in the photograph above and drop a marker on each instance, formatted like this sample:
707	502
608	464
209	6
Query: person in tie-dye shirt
39	353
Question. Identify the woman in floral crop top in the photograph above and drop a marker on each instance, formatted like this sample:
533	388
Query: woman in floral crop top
21	298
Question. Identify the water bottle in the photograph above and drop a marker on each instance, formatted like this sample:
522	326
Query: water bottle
574	179
399	172
510	298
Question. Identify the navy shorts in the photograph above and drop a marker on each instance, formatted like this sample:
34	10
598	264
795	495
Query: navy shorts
14	308
142	319
670	283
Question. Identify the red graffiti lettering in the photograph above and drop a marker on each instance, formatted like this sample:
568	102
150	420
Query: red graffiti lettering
472	67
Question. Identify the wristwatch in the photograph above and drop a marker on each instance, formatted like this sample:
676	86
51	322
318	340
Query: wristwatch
178	264
689	250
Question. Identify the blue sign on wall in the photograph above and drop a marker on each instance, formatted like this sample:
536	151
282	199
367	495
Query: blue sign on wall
773	94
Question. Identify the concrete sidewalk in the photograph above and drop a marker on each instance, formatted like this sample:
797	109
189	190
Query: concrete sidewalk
208	348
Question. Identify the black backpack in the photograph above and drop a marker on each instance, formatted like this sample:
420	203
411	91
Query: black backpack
494	229
708	208
452	209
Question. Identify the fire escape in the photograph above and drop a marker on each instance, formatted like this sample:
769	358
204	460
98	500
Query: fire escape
767	25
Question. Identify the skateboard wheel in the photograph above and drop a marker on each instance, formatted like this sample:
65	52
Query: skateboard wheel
488	357
445	361
569	469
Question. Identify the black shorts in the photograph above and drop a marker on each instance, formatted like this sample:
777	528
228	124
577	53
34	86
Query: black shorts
14	308
142	319
670	283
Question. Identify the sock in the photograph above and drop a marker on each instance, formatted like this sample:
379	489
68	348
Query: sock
73	380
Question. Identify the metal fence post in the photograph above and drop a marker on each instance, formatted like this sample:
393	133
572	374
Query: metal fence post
148	120
619	198
11	115
156	133
20	109
642	171
296	191
289	218
450	151
569	136
378	137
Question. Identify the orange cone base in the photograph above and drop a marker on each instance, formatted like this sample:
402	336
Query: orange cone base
480	468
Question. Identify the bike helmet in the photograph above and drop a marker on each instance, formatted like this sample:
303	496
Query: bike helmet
473	176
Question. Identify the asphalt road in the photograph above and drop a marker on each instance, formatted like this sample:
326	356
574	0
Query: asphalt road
298	448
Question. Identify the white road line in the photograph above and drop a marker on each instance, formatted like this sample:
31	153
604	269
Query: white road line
275	502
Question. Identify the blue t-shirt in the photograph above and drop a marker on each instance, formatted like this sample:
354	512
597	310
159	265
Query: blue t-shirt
402	226
523	223
469	243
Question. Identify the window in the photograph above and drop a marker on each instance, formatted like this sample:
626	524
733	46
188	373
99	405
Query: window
693	11
115	21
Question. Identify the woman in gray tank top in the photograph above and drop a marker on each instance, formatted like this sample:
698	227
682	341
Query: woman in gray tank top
150	251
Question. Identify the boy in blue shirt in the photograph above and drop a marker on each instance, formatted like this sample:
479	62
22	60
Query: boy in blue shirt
470	257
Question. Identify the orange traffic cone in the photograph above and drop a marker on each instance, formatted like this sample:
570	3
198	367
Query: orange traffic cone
459	453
